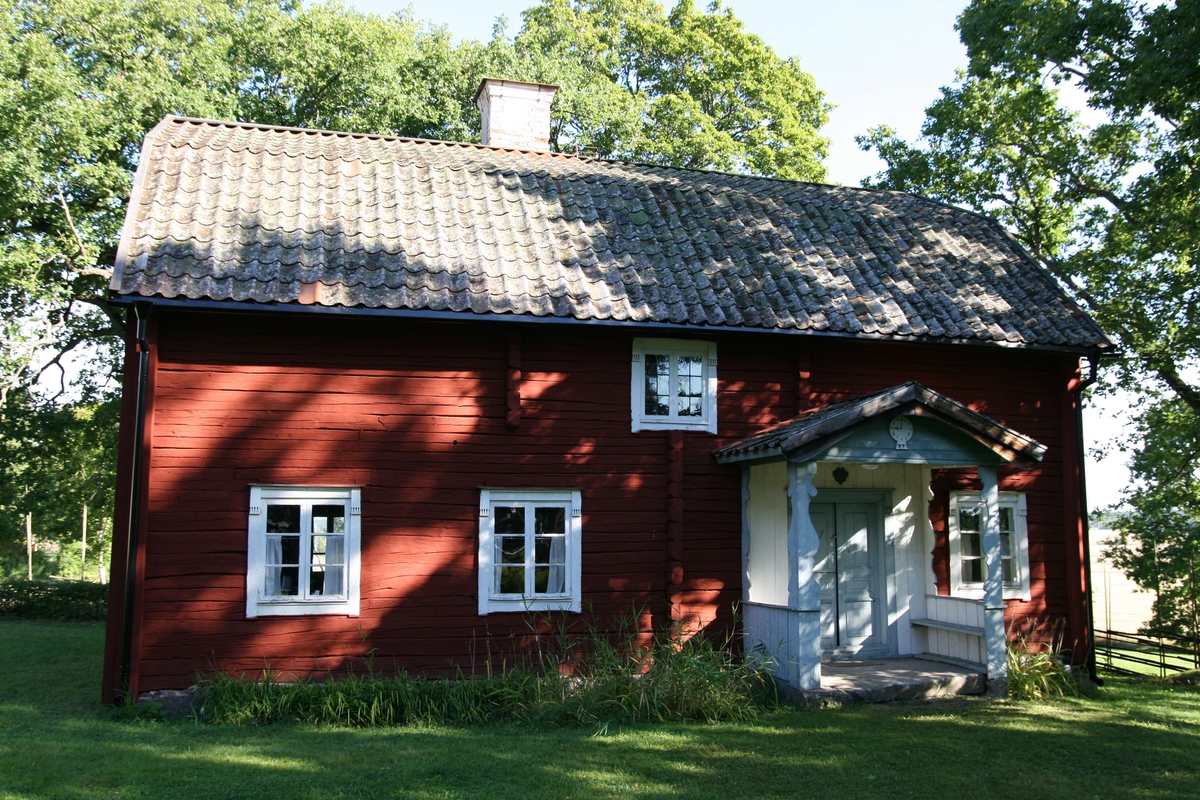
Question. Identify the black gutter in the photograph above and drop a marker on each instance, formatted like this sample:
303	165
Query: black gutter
251	307
141	311
1094	364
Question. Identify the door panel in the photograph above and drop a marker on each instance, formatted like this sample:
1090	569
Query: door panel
855	601
825	570
845	571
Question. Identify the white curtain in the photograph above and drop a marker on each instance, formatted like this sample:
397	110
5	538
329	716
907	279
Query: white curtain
274	555
558	570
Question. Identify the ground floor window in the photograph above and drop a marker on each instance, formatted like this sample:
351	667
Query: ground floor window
303	551
529	550
968	567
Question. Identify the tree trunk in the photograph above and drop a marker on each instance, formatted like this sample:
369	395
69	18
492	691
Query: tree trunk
83	547
29	543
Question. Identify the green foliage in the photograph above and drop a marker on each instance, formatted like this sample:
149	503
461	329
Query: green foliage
53	460
595	679
681	88
70	601
1107	200
1037	664
82	81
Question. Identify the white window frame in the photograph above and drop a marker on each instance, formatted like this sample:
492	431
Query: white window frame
1013	590
260	605
490	601
674	347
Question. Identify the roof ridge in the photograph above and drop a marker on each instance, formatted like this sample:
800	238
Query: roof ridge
555	154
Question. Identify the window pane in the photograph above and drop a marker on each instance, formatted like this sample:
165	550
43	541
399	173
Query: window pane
289	547
1006	519
972	570
970	519
549	519
335	552
316	581
510	550
271	582
283	519
1009	569
557	581
318	549
658	385
550	550
971	545
333	580
510	519
329	519
691	386
1006	545
510	580
289	581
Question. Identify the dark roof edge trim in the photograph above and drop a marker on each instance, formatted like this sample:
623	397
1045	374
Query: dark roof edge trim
246	307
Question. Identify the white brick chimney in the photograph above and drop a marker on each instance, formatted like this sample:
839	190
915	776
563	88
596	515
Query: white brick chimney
516	114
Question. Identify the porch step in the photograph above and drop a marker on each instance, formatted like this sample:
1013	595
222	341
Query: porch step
884	680
958	662
970	630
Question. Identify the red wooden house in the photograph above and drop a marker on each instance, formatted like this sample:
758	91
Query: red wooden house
391	395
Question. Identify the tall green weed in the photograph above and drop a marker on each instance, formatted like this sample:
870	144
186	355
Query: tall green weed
593	678
1037	662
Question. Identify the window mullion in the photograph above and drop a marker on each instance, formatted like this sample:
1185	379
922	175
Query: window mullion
672	385
304	577
530	547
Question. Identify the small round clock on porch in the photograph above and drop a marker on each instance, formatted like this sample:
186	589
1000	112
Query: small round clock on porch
901	429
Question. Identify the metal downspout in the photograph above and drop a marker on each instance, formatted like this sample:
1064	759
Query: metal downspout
142	313
1094	364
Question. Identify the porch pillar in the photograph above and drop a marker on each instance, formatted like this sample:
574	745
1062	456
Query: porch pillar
804	667
994	636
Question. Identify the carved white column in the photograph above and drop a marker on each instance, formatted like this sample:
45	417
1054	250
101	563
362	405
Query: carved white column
994	637
804	600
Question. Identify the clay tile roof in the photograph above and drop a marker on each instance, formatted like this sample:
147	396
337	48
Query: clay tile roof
237	212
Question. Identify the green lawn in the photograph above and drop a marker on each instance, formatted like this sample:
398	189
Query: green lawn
1137	740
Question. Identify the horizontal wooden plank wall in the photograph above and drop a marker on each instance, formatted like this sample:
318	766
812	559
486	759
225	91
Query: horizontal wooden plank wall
420	416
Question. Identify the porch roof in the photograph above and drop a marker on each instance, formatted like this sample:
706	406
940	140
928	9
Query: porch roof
807	436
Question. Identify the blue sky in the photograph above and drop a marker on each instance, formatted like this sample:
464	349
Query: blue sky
879	62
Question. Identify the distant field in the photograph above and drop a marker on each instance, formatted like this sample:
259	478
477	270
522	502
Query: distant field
1136	740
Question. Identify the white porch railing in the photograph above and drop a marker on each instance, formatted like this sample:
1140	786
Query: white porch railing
954	629
783	641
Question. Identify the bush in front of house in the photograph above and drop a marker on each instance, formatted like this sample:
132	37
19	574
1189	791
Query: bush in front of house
611	681
77	601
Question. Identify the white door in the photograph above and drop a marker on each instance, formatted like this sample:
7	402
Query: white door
846	564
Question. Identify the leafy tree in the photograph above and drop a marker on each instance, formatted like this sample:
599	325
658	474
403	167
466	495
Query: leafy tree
81	81
1107	200
54	459
679	88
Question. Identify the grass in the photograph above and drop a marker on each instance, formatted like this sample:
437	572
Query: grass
1138	740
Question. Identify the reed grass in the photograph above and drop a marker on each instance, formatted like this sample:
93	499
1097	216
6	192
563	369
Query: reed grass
594	677
1037	661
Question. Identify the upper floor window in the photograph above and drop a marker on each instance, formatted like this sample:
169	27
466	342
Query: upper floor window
303	551
968	565
529	550
674	385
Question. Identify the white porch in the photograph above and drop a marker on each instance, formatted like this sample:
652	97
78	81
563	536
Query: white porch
838	545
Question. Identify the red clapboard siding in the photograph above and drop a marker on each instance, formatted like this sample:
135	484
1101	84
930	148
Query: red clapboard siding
415	414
